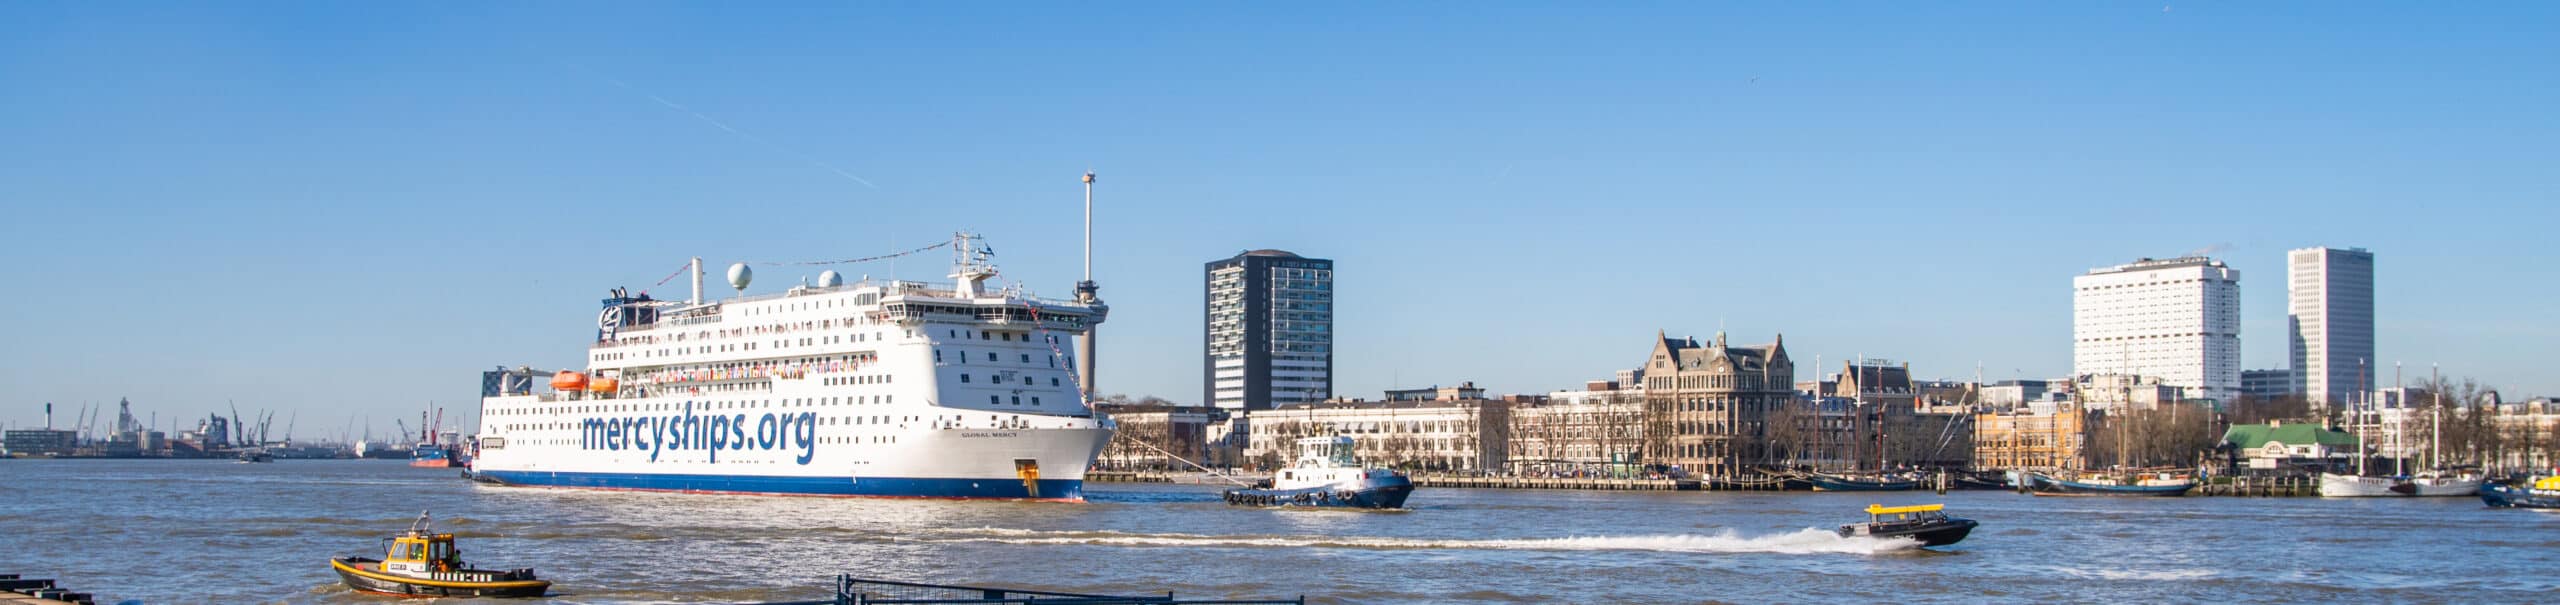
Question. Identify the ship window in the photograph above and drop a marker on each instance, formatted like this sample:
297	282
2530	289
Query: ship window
964	378
1026	358
1026	381
937	357
982	335
994	399
1035	400
1053	382
1017	400
991	357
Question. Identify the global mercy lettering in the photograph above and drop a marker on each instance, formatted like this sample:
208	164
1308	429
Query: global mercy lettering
712	433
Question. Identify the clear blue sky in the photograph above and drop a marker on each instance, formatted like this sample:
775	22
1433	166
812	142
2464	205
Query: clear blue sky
348	209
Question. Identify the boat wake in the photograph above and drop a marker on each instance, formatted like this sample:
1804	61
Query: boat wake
1807	541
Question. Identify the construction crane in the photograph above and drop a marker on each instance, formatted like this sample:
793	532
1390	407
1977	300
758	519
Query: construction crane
404	431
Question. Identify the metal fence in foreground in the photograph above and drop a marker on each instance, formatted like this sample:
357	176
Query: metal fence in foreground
864	591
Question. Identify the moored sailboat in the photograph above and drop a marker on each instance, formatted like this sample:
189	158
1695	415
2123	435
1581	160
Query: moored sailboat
1874	483
2137	484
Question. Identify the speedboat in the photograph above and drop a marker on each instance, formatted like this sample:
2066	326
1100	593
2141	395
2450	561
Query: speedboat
421	562
1927	523
2544	493
1328	474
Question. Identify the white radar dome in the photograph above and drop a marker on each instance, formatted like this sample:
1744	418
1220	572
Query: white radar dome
830	279
739	275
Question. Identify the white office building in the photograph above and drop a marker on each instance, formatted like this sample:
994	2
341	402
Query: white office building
2330	322
2176	319
1269	331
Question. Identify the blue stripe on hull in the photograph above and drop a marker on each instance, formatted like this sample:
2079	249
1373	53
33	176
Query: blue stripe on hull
1051	489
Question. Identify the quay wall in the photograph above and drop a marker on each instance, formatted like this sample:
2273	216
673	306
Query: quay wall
2251	487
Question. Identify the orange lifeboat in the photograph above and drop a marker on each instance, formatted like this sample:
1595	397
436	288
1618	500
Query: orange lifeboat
568	381
603	385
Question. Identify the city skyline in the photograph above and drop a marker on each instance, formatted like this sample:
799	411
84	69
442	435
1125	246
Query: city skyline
357	211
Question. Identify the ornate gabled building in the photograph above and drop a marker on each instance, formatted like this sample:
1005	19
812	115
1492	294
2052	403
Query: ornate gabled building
1705	404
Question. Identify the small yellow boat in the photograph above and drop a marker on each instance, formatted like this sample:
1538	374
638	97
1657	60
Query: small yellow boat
423	563
1927	523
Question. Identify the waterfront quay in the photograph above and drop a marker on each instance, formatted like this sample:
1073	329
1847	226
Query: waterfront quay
2258	487
31	591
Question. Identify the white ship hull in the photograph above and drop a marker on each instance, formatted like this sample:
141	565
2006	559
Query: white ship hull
2446	487
895	389
1032	458
2351	486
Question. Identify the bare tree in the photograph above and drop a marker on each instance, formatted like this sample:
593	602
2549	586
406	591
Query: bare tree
2256	410
1788	434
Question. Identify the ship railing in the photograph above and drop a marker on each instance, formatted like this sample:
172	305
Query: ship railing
950	291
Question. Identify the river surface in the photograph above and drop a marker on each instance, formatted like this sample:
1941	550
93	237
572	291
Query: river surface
164	531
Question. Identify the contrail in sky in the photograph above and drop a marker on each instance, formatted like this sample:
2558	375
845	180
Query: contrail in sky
812	160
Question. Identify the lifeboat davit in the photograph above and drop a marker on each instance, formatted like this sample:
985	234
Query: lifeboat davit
603	385
568	381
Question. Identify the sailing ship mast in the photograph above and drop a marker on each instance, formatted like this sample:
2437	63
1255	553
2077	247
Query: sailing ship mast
2435	426
2359	411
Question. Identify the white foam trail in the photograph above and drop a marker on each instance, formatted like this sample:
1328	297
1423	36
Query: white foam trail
1807	541
2154	575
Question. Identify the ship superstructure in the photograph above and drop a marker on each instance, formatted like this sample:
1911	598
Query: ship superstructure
869	388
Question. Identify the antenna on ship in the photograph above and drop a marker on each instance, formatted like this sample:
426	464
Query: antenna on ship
1088	294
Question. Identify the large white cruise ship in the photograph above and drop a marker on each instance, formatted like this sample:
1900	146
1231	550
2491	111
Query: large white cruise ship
891	388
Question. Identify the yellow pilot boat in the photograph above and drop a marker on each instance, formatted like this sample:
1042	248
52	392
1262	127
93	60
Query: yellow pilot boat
1927	523
423	563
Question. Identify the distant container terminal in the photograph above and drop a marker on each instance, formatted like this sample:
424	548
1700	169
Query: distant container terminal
214	436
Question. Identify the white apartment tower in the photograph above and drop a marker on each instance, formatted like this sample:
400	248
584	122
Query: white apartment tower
2176	319
2330	321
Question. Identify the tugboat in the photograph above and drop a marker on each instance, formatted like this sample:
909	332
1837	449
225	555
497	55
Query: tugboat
424	563
1328	475
2545	493
1927	523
